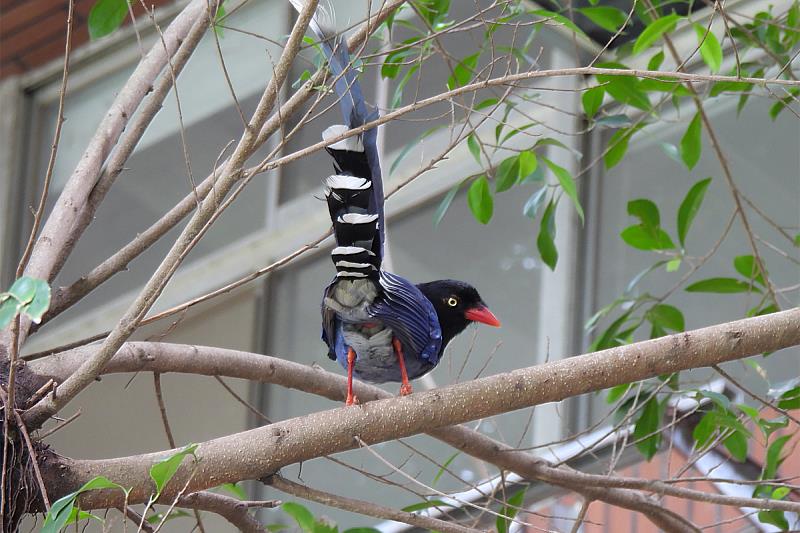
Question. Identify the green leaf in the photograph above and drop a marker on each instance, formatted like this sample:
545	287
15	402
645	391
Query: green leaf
527	164
656	60
463	72
59	513
610	336
624	89
474	149
646	431
480	201
106	16
219	18
710	49
427	504
704	430
722	286
8	310
775	518
40	303
617	392
608	18
646	211
23	289
444	205
673	264
507	174
561	19
486	103
567	183
234	489
666	316
689	208
592	99
729	87
509	510
781	104
301	515
747	266
644	238
774	457
534	203
790	399
100	482
394	60
397	96
545	241
719	400
736	444
691	143
443	468
63	511
618	146
654	31
614	121
162	471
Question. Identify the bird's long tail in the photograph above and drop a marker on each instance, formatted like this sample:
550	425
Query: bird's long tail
355	193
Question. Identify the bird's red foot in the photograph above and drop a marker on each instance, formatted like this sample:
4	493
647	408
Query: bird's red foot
352	399
405	389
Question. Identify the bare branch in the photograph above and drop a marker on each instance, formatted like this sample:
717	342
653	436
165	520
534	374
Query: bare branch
233	510
363	507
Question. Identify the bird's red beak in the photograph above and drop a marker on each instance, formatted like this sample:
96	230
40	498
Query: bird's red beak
483	315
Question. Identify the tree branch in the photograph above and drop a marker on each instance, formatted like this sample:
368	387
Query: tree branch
328	432
234	511
362	507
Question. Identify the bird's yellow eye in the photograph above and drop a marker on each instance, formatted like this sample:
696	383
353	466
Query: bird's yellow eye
452	301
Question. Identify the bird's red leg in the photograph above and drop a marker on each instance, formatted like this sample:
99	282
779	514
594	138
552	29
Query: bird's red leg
405	388
351	362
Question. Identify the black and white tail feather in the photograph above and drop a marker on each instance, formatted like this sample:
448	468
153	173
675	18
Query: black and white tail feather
355	193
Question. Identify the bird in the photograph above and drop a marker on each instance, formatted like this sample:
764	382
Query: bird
377	325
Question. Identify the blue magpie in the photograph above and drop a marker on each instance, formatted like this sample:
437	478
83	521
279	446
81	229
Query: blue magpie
379	326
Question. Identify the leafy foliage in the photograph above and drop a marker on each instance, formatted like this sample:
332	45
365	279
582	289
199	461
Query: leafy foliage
308	523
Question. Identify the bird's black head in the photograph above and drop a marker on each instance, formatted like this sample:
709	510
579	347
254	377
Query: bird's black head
456	304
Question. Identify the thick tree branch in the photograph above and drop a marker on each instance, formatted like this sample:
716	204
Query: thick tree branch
264	450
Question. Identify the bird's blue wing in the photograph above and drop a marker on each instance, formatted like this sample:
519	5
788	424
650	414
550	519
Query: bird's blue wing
410	315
